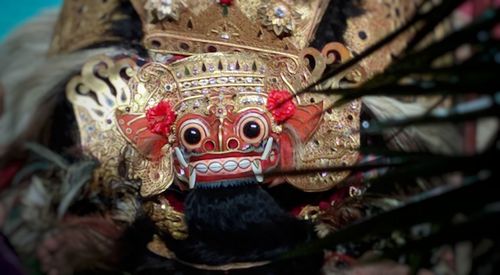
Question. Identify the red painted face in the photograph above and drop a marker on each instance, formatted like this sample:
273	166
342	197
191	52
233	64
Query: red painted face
232	146
224	145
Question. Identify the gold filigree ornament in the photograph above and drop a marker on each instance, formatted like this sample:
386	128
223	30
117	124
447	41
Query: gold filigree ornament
167	219
279	17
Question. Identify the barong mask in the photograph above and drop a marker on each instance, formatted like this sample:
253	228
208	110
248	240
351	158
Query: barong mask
231	107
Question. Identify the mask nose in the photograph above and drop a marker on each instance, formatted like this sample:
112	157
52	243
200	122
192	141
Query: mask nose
223	139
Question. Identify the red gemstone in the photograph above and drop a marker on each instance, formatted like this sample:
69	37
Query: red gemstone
233	144
209	145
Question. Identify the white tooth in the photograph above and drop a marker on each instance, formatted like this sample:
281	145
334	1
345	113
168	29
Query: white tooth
180	157
230	165
268	148
244	164
215	167
257	170
192	178
202	168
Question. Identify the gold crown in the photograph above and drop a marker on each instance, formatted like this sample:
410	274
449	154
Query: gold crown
195	83
189	27
193	27
275	31
86	23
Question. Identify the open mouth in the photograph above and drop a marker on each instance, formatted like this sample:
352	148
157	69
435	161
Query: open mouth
216	167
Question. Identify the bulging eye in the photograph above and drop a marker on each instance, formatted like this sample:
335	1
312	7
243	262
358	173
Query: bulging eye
192	136
192	132
253	128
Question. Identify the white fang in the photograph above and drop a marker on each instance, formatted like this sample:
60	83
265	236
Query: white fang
180	157
267	149
257	170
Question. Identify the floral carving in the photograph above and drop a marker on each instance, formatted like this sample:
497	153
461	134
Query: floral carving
279	17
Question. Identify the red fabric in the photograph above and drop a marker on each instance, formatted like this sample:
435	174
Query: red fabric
336	196
176	203
340	194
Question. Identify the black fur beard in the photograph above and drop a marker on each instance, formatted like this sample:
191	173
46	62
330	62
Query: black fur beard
247	225
237	224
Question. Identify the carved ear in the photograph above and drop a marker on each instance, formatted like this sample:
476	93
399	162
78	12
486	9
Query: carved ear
305	121
134	127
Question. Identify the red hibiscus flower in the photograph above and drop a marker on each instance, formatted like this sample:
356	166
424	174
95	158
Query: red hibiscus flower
281	106
160	118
